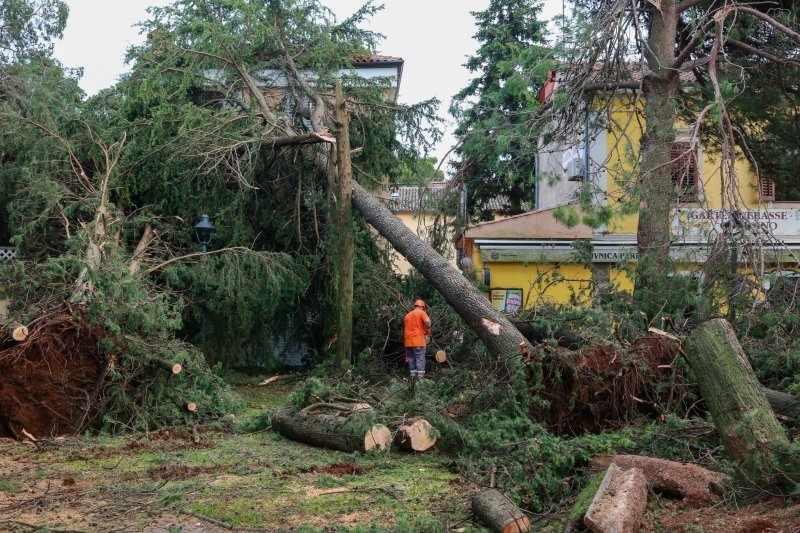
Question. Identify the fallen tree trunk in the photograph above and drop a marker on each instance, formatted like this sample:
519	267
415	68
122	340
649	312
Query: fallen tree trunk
783	403
700	485
736	400
619	503
328	431
417	436
499	335
537	334
499	513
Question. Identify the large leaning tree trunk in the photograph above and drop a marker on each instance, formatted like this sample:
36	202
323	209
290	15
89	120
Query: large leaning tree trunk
660	89
344	319
497	333
749	429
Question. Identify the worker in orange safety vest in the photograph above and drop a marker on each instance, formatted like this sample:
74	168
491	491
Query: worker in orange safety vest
417	331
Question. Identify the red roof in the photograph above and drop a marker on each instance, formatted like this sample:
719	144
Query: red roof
374	58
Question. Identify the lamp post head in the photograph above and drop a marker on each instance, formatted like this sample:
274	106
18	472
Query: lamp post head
204	230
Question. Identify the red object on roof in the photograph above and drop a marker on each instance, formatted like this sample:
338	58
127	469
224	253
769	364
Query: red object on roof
374	58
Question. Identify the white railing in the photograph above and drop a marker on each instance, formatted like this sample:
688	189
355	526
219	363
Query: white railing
7	253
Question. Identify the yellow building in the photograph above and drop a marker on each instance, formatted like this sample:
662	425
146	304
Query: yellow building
532	258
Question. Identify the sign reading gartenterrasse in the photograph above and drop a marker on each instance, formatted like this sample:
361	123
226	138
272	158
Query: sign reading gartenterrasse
698	225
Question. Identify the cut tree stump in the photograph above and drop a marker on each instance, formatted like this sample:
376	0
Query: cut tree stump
736	400
346	434
619	503
441	357
495	510
190	406
695	483
417	436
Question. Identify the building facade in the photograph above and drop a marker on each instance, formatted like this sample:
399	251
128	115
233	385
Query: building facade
534	258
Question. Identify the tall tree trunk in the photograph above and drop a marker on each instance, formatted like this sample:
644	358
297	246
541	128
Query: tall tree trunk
344	335
750	432
494	329
655	180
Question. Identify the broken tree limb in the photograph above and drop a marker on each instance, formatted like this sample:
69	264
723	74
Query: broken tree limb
345	434
282	377
417	436
494	329
135	264
619	503
315	137
495	510
736	400
687	480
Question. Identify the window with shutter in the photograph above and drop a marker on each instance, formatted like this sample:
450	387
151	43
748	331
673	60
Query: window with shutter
684	171
767	187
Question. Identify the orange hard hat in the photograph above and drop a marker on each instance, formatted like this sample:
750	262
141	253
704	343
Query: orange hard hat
420	303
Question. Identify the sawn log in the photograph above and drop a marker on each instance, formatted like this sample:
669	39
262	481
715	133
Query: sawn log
347	434
495	510
417	436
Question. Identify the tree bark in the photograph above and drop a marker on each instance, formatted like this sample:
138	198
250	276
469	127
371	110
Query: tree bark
494	329
499	513
344	335
740	410
655	181
345	434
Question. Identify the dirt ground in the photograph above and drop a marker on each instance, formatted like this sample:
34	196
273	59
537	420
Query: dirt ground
165	482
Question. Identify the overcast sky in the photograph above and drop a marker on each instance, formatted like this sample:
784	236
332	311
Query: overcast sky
434	37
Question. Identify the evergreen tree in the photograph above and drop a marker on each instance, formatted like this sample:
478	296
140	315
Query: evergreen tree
497	156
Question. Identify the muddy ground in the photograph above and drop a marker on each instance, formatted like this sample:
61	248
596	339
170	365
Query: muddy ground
164	481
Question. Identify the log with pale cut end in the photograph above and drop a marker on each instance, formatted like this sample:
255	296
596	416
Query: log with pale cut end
441	356
18	332
348	434
736	400
417	436
495	510
687	480
190	406
175	368
619	503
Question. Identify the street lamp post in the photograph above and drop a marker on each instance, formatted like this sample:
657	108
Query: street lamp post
204	231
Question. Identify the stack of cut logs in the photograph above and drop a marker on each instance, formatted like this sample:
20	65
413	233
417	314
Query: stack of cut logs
345	425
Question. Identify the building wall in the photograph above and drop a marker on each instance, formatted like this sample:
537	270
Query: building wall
417	222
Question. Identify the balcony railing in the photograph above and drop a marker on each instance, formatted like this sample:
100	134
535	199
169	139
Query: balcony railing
7	253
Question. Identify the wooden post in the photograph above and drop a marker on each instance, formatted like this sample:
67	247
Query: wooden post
344	336
750	432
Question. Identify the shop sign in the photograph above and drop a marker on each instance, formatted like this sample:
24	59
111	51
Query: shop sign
507	300
703	224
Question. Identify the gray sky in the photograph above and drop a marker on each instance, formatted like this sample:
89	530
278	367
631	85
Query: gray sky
433	36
